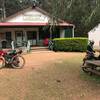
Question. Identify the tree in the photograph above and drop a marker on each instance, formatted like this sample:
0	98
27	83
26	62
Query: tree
83	13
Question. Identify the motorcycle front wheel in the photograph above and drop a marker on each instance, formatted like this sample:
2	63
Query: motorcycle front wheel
2	62
18	62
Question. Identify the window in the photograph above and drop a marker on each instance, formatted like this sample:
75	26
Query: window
8	36
31	35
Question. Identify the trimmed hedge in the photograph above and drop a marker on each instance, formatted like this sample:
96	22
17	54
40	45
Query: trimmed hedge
70	44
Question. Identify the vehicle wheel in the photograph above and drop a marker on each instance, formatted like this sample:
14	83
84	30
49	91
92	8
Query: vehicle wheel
18	62
2	62
85	68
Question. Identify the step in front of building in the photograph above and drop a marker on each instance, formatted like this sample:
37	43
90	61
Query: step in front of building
39	49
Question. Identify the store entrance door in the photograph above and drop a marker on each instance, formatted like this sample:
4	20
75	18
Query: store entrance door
19	38
32	37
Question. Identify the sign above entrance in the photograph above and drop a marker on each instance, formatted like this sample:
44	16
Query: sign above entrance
35	17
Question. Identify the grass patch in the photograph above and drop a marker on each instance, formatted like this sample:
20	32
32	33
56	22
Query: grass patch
93	78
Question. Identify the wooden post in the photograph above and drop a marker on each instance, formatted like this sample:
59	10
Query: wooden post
28	46
73	34
12	45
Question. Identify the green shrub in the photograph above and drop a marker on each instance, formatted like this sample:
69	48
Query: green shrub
70	44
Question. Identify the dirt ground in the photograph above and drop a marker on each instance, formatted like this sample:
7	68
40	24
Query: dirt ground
45	77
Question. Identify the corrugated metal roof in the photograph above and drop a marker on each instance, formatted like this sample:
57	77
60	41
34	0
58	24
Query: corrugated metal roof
30	24
22	24
5	23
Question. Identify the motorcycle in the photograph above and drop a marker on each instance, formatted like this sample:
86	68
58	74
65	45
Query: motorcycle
89	56
12	57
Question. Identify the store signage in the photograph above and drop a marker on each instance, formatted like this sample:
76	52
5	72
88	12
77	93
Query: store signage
34	17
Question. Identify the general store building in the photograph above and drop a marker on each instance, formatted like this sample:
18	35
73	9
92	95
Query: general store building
32	24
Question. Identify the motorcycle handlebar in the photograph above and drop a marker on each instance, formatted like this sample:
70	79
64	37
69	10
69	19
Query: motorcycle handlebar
19	52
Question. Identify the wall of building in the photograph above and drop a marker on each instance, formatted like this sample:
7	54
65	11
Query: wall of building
62	33
95	36
66	32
